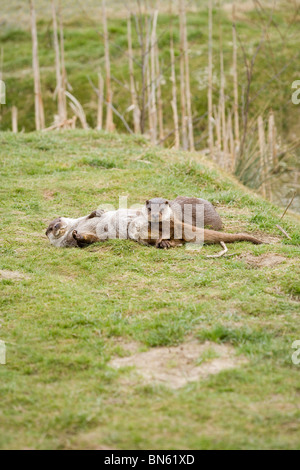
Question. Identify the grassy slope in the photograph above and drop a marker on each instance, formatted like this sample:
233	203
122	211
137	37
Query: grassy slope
62	323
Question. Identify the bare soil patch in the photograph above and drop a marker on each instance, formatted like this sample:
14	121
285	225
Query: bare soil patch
266	238
48	194
13	275
129	347
267	260
178	365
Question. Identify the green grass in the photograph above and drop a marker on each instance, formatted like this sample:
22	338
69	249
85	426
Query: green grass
62	321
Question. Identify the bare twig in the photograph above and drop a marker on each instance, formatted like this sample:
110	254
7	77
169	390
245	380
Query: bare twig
39	107
222	253
174	96
159	96
14	114
182	83
59	86
134	99
100	102
78	109
231	141
210	84
187	80
289	205
222	99
283	231
262	149
64	79
109	115
67	124
153	107
235	83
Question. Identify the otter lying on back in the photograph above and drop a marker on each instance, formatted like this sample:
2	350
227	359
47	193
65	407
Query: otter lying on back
99	226
61	231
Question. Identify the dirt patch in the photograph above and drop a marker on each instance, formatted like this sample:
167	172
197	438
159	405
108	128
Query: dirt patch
176	366
266	238
267	260
13	275
129	347
89	441
48	195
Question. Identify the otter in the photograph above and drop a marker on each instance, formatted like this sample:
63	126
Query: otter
165	230
99	226
138	226
62	232
195	211
66	232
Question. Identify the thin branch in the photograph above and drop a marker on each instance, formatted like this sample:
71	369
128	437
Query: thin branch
289	205
222	253
284	232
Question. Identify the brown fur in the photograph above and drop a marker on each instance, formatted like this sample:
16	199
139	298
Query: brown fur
182	208
176	226
212	220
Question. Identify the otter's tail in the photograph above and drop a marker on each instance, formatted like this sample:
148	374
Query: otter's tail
211	236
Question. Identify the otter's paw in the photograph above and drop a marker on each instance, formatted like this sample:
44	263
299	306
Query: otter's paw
163	244
80	240
96	213
75	234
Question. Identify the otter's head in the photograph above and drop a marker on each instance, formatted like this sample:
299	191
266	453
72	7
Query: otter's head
57	229
157	210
